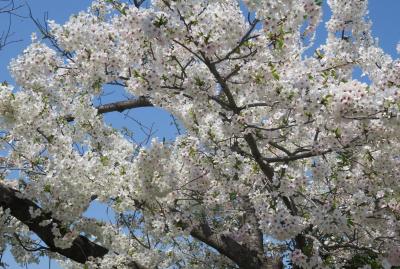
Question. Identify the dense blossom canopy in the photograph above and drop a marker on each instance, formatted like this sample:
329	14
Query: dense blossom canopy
287	160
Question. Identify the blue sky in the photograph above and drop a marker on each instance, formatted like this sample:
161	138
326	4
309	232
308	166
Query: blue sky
383	13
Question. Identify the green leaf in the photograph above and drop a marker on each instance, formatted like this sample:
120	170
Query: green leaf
368	156
319	55
326	100
350	222
160	21
255	168
104	160
97	85
232	196
122	171
308	248
274	72
50	138
259	78
211	134
118	200
337	132
47	188
280	43
192	152
199	82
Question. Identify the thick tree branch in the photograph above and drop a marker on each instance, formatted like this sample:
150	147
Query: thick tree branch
124	105
82	248
119	106
227	246
297	157
265	167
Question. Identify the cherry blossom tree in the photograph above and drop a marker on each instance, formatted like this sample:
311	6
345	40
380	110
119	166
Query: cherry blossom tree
287	160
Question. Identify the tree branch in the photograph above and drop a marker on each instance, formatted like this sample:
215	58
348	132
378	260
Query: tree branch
241	255
297	157
124	105
267	169
82	248
119	106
